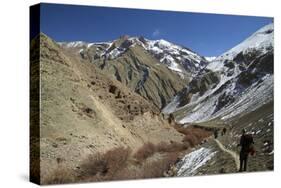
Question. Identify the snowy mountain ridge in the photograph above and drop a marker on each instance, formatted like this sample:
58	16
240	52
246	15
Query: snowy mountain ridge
260	41
241	78
177	58
219	84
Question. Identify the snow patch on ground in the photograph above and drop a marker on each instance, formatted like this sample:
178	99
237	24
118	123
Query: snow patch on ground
191	162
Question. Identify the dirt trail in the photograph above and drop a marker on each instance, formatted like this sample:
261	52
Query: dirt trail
233	154
113	123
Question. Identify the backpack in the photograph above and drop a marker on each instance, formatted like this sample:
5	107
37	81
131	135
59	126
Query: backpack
249	144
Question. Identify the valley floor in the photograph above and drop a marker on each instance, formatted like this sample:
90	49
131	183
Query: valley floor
221	155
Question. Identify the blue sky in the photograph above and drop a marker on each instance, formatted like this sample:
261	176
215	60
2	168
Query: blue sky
207	34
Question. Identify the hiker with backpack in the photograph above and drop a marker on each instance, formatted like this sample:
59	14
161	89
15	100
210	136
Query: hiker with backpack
216	132
223	132
246	144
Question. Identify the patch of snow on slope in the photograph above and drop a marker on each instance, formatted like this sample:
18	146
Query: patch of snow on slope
195	99
191	162
167	59
76	44
200	112
89	45
172	106
175	53
215	66
210	58
116	52
249	100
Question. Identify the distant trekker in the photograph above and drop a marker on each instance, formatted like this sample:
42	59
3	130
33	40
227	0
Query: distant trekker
246	143
216	133
223	131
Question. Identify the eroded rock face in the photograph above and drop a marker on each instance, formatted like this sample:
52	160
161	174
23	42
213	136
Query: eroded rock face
259	67
199	85
138	70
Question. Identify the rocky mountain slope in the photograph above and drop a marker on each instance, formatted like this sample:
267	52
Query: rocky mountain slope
156	70
234	91
238	81
84	111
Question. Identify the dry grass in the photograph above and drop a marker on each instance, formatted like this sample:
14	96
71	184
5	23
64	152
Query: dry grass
157	168
59	176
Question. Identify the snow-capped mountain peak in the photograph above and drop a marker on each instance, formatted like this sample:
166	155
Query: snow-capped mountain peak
177	58
211	58
241	78
261	40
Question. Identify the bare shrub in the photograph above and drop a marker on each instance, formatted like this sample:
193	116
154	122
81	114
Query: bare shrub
190	139
106	164
147	150
171	147
148	168
193	135
94	164
156	168
117	164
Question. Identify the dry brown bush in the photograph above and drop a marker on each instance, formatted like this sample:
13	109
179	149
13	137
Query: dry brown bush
116	164
97	167
106	164
148	168
155	169
171	147
59	176
190	139
193	135
147	150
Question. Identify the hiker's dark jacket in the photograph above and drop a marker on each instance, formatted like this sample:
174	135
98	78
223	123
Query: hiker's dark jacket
246	142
